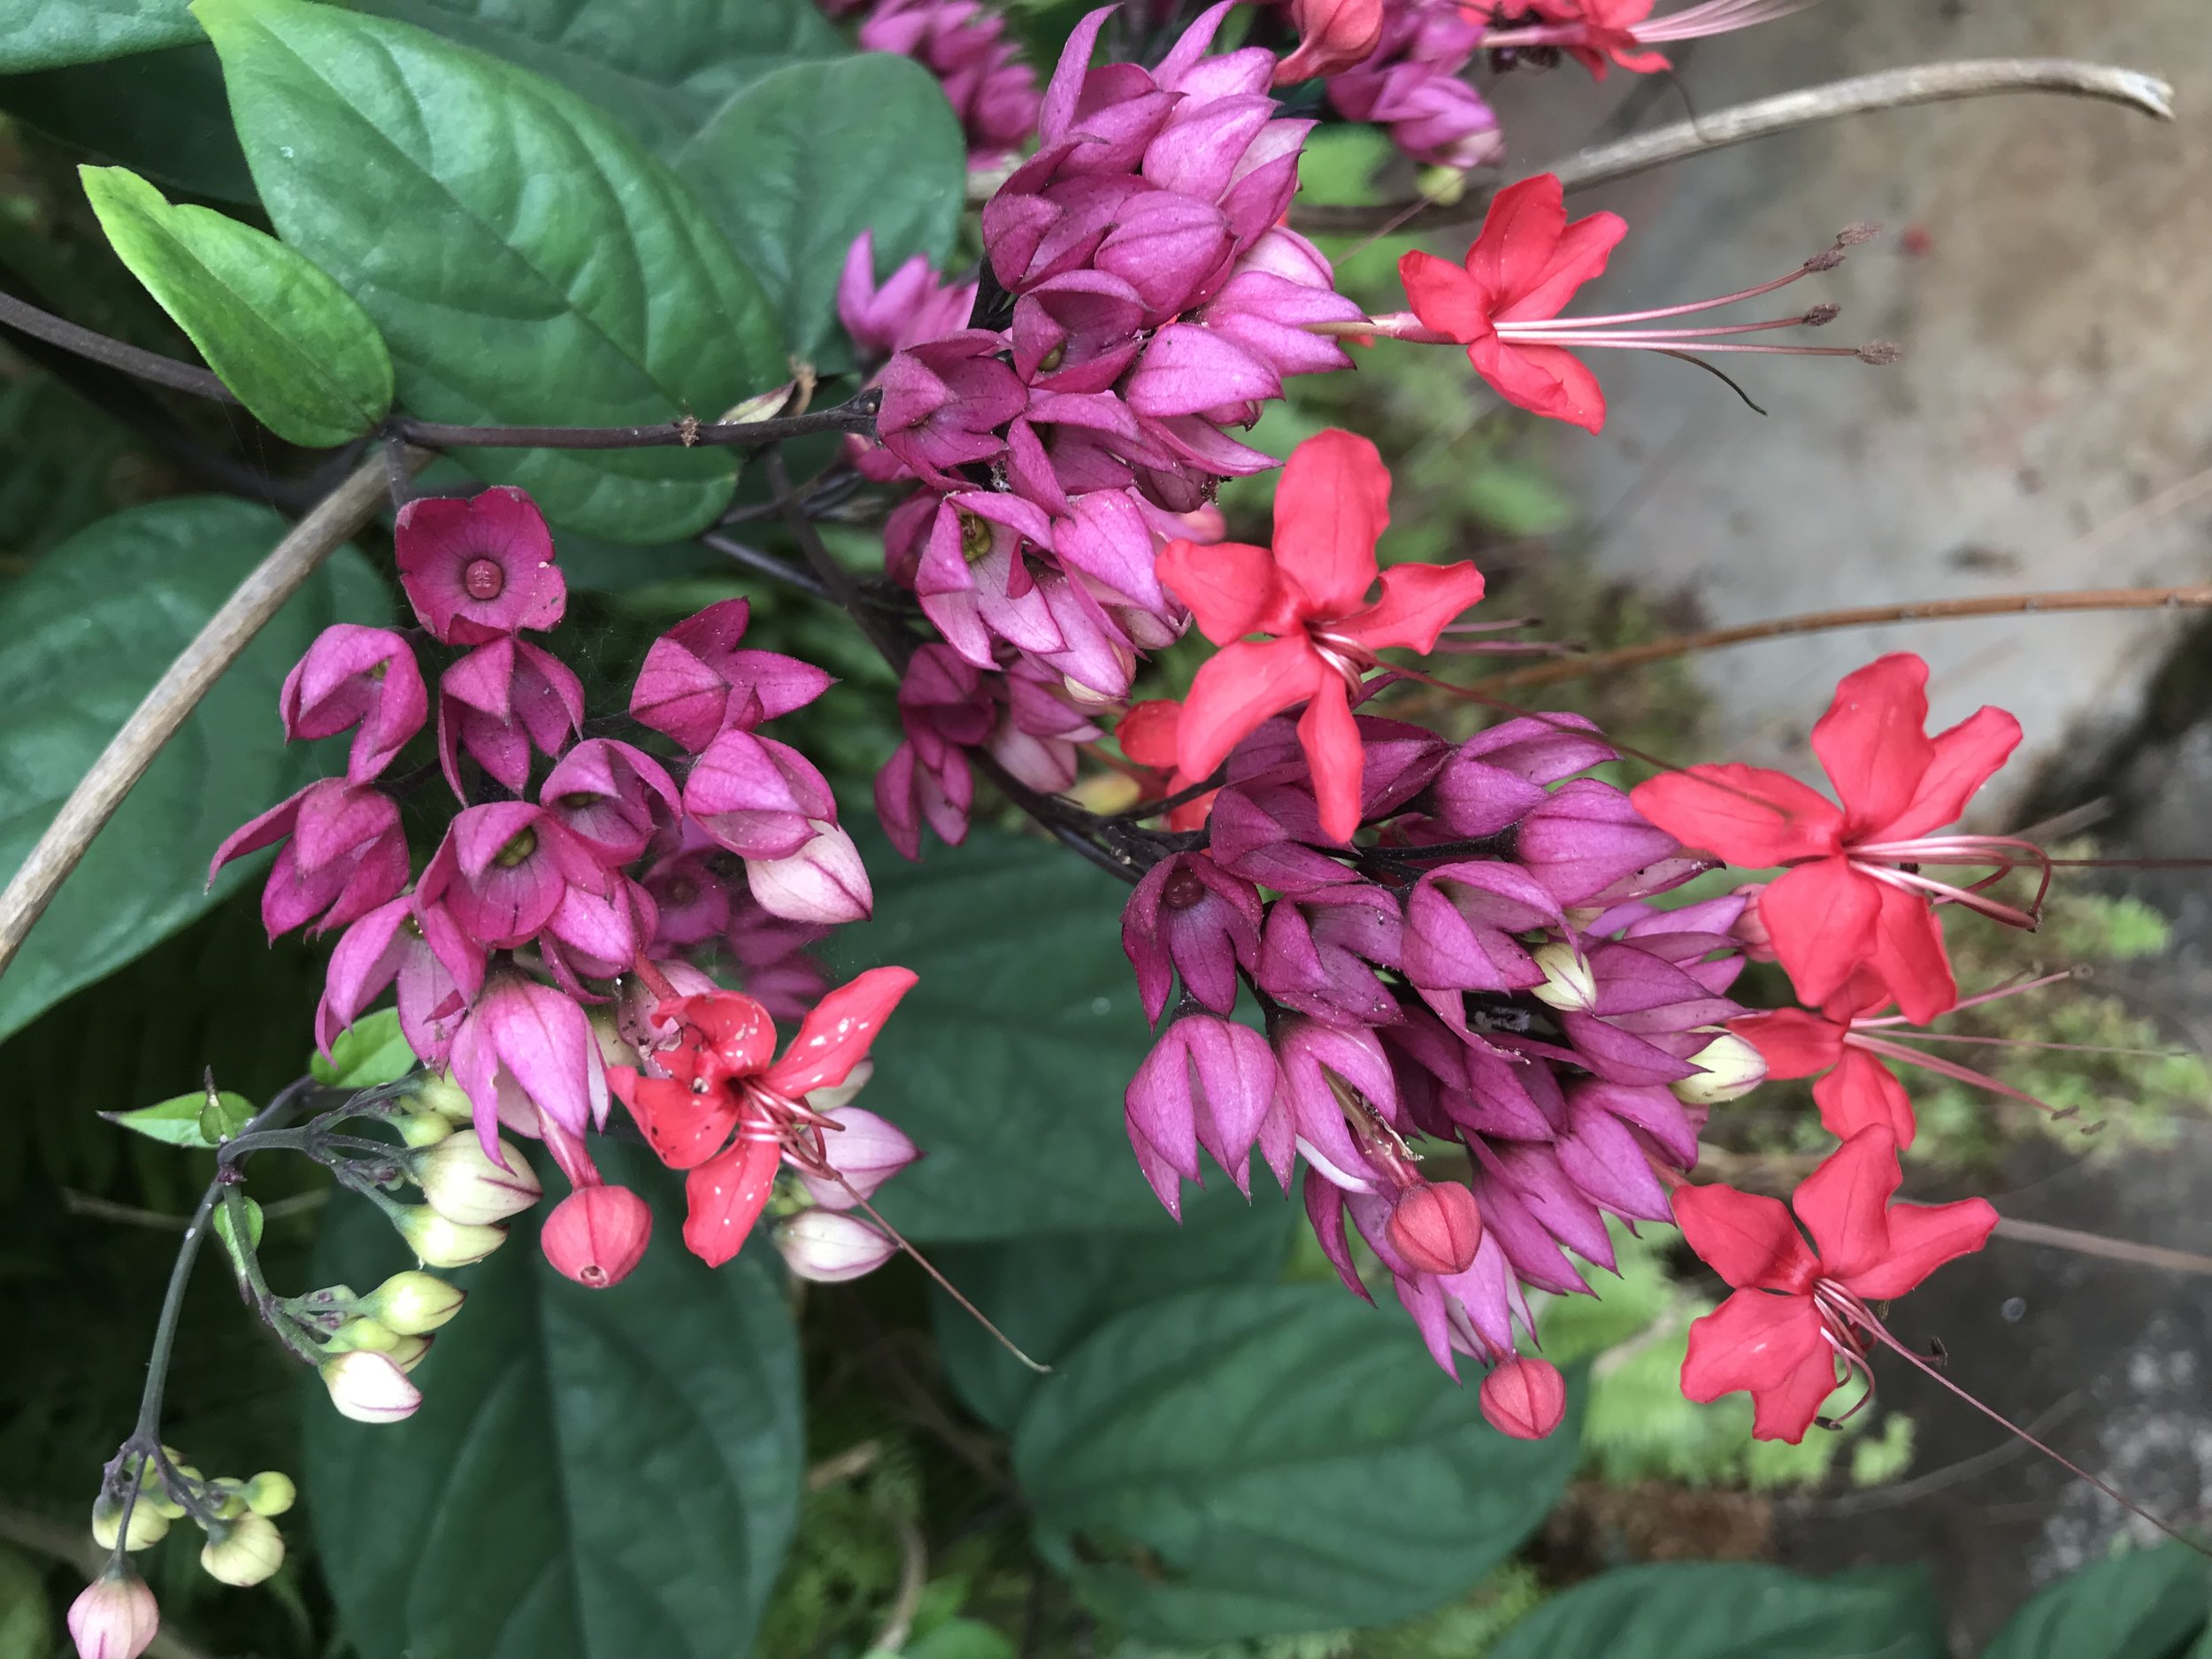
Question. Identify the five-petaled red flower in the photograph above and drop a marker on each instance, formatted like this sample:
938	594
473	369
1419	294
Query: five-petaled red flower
1308	595
1797	1312
723	1077
1853	896
1522	268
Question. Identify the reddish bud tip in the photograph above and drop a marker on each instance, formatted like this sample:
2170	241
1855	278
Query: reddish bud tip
596	1235
1525	1397
1437	1226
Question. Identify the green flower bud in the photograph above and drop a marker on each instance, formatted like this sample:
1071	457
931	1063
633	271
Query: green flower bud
438	1241
462	1184
148	1525
369	1387
1569	985
413	1303
1728	1067
409	1351
423	1129
228	1495
369	1336
437	1091
244	1551
271	1492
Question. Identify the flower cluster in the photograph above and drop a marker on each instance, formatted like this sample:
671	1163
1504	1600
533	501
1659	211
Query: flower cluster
573	865
992	92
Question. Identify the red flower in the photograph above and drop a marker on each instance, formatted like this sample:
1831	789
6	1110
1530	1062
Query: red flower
1797	1311
1522	268
721	1076
1309	595
1854	895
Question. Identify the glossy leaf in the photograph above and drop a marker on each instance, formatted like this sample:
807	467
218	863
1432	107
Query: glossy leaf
2145	1604
1008	1059
805	159
82	638
592	1474
296	349
370	1051
162	114
182	1122
1239	1463
527	261
662	67
1734	1611
49	33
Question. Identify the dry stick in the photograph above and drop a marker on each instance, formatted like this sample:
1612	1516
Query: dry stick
2097	1244
177	692
1889	90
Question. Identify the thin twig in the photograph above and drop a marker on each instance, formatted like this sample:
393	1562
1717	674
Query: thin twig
177	693
766	563
843	1466
898	1625
98	1208
147	365
2096	1244
858	415
74	1545
1888	90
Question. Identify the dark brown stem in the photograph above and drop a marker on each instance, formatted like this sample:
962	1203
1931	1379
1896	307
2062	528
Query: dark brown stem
146	365
858	415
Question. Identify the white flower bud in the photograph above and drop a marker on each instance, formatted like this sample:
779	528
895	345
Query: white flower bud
439	1241
369	1388
1729	1067
437	1091
149	1525
370	1336
1569	986
423	1129
271	1492
409	1351
412	1303
464	1185
244	1551
829	1247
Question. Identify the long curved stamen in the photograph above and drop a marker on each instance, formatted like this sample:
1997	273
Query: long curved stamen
942	1283
1892	1051
2014	990
2011	916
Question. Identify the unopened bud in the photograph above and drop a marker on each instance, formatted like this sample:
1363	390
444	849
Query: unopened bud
865	1149
1751	927
148	1525
423	1129
823	883
411	1351
228	1497
828	1099
462	1184
369	1388
596	1234
438	1241
829	1247
437	1091
1524	1397
244	1551
115	1616
367	1336
412	1303
271	1492
1437	1226
606	1030
1569	985
1728	1067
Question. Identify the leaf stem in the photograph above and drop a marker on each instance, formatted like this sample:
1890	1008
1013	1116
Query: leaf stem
25	317
856	415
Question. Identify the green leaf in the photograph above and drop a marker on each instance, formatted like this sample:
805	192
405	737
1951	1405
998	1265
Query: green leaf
230	1234
178	1122
49	33
162	114
592	1475
960	1638
1009	1059
528	262
1241	1462
1734	1610
662	67
370	1051
297	352
82	638
805	159
27	1618
2145	1604
1048	1293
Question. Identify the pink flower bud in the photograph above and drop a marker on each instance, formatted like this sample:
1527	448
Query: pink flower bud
369	1387
822	884
115	1617
830	1248
1332	35
1751	927
1525	1397
1437	1226
865	1149
596	1235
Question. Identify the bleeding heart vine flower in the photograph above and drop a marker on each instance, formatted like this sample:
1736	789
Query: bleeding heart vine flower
480	569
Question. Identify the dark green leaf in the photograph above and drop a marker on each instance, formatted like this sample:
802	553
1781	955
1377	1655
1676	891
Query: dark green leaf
960	1638
370	1051
289	341
178	1122
1048	1294
1007	1061
1241	1462
2143	1605
662	67
803	160
82	638
592	1475
27	1619
528	262
159	113
230	1234
1734	1611
49	33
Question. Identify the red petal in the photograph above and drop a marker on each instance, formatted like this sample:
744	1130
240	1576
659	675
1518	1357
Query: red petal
834	1036
1863	1094
1330	737
1147	733
1445	297
1520	237
1844	1204
727	1194
1235	689
1770	1346
1330	508
1793	1042
1747	1239
683	1129
1547	381
1750	815
1873	743
1581	255
1418	602
1966	757
1908	956
1821	916
1230	587
1922	1238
